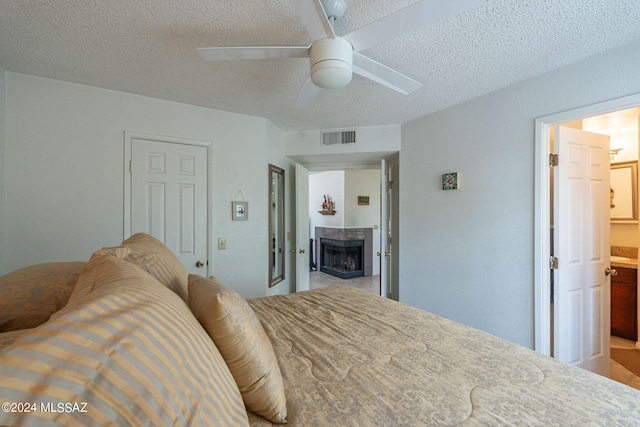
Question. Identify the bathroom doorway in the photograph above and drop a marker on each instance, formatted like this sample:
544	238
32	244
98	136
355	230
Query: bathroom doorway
585	117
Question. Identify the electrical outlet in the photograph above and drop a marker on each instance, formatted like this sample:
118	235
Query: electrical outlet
222	243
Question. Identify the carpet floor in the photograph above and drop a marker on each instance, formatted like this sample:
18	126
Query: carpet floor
630	359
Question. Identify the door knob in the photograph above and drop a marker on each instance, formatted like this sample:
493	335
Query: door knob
199	263
610	272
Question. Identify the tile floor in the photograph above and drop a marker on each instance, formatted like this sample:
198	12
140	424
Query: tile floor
371	284
318	279
618	372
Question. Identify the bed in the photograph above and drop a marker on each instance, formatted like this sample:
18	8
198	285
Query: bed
141	342
352	358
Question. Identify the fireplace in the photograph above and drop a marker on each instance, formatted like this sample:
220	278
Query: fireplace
342	258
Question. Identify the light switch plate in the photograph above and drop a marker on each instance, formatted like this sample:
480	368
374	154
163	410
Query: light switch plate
222	243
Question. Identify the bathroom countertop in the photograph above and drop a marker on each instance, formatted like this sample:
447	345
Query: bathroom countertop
624	262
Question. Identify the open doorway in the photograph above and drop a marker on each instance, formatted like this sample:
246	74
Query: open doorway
344	217
617	118
362	195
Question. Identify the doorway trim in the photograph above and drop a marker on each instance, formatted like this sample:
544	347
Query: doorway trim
129	136
542	215
366	160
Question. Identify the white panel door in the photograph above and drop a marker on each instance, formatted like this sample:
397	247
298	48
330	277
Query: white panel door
581	242
301	253
385	250
169	198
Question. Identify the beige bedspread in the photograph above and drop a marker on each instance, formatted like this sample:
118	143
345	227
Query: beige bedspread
355	359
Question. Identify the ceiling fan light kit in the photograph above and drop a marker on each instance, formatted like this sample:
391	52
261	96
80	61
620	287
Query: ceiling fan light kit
332	57
331	63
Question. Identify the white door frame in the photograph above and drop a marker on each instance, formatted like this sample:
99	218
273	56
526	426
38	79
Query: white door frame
300	255
542	217
129	136
385	250
390	158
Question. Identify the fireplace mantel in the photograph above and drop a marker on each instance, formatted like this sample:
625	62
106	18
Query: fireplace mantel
365	234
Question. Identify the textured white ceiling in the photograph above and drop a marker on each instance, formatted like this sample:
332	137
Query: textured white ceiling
148	47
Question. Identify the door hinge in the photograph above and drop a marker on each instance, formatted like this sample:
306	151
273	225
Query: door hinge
553	263
553	160
390	185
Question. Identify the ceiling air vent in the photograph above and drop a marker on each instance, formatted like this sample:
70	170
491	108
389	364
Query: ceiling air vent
339	137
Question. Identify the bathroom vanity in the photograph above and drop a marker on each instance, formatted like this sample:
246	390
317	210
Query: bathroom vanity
624	298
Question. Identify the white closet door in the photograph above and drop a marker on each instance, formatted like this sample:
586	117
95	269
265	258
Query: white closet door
169	198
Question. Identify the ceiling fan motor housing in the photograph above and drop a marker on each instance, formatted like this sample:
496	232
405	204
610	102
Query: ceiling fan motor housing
331	63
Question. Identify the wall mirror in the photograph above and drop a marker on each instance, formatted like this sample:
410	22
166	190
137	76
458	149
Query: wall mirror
276	225
624	181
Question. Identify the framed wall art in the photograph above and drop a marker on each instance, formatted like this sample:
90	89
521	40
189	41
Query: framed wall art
450	181
239	211
363	200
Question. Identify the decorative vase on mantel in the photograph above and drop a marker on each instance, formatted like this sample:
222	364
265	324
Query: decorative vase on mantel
328	206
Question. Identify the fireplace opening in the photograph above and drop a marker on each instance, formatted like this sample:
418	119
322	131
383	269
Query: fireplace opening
342	258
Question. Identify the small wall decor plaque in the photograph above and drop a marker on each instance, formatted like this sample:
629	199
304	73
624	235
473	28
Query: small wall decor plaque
450	181
328	206
363	200
239	211
239	208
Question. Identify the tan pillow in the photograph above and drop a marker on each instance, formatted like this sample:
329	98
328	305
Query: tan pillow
30	295
155	258
130	348
238	334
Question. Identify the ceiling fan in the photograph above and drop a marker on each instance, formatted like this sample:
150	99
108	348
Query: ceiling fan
334	59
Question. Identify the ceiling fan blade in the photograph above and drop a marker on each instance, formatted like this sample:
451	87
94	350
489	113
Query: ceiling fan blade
313	18
384	75
417	15
257	52
307	94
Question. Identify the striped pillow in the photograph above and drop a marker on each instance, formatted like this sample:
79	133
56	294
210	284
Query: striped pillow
129	353
155	258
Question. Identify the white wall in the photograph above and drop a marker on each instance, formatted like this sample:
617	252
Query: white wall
331	184
64	177
383	140
364	182
468	254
